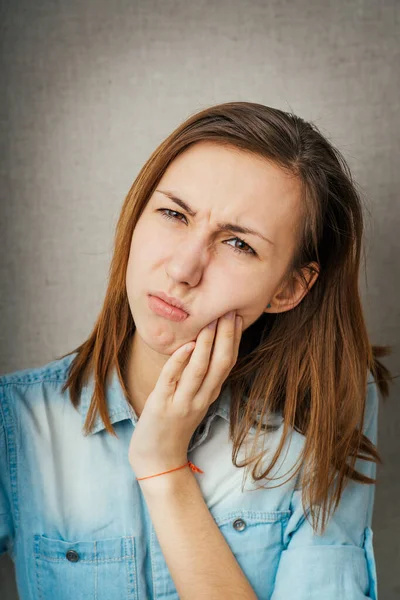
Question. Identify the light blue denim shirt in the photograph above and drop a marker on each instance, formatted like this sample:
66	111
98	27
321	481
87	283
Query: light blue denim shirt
75	523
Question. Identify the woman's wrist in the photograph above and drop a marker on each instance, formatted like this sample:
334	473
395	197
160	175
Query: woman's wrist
172	483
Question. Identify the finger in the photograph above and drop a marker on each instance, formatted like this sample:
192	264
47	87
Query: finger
172	371
226	345
214	369
193	376
238	336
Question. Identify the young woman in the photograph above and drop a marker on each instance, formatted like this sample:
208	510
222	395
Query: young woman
215	436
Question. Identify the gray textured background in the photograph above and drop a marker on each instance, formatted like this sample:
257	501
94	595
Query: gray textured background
91	87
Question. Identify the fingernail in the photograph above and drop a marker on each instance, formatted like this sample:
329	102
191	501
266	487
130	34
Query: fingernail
213	324
238	321
230	314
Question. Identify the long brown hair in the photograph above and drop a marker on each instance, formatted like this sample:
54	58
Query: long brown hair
305	362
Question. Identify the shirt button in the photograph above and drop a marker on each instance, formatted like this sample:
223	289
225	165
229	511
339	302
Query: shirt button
239	524
72	556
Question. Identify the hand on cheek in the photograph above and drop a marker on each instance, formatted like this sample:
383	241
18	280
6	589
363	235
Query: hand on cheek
189	383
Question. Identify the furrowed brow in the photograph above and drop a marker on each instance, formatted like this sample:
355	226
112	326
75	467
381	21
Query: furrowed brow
220	226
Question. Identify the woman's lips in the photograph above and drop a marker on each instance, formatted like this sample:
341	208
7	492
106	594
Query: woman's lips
163	309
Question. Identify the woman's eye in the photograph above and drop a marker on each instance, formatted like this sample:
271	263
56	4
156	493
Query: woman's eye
166	213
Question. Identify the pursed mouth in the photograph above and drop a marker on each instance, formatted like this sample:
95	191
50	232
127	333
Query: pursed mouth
163	309
174	302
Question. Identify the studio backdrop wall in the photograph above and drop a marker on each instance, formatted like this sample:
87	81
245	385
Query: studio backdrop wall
91	87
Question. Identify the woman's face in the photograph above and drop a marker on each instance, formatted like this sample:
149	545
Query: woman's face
188	257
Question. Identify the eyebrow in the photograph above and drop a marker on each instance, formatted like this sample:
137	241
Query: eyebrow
220	226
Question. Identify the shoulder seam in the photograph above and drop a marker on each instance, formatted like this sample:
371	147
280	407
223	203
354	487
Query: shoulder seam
55	370
29	381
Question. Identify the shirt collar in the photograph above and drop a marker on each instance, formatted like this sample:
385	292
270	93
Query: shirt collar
119	408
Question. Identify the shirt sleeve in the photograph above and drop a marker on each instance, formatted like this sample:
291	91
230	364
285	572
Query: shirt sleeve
6	521
340	563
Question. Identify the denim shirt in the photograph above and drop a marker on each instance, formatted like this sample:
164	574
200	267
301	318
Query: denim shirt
76	525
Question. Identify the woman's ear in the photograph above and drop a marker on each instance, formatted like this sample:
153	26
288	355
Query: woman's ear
293	291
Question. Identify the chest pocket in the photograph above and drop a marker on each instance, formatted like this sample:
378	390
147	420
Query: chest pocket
255	539
85	570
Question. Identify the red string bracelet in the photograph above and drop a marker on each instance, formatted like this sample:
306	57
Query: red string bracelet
191	465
